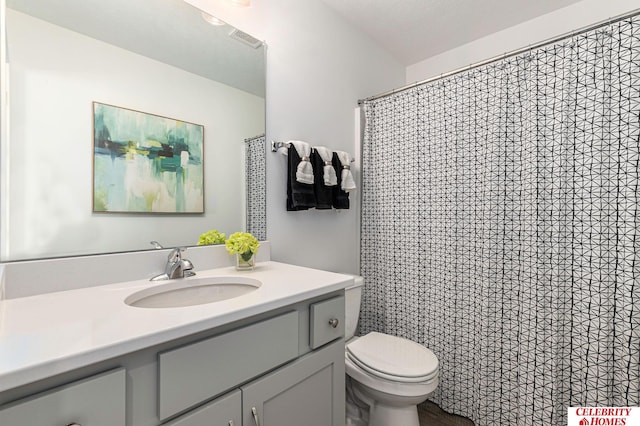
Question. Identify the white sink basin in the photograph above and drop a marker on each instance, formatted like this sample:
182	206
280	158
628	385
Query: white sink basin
192	291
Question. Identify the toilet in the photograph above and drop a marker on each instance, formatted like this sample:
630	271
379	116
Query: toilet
387	376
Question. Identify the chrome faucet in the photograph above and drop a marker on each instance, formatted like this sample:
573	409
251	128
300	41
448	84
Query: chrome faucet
177	266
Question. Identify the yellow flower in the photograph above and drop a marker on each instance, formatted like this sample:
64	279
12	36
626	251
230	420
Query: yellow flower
211	237
242	243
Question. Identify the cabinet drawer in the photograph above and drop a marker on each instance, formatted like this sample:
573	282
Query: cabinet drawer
199	371
326	321
224	411
96	401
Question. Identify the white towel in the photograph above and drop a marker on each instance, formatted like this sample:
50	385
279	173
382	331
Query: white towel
329	173
348	184
304	172
283	149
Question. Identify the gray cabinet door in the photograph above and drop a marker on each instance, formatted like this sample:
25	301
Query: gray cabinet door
224	411
309	392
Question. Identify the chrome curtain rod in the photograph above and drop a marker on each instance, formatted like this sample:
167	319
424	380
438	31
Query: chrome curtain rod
505	55
262	135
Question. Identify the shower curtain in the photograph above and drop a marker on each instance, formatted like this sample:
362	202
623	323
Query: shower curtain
500	228
256	174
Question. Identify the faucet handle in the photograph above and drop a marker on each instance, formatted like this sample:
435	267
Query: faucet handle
176	267
176	254
156	245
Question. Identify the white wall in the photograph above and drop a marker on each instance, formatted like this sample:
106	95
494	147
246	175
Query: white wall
50	172
562	21
317	68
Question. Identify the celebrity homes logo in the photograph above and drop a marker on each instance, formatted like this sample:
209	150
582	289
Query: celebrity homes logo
604	416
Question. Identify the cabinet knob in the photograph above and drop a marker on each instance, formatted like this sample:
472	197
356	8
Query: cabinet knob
74	424
254	412
333	322
231	423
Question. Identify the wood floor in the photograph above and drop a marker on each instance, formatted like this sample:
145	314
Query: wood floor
431	415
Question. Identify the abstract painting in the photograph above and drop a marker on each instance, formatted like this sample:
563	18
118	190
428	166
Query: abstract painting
145	163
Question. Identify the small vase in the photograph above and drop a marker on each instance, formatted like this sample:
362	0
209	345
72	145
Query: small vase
245	261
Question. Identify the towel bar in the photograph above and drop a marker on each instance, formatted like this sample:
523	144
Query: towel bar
275	145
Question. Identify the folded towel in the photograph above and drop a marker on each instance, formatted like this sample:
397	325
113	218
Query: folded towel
283	149
323	193
340	197
300	196
347	184
304	170
329	173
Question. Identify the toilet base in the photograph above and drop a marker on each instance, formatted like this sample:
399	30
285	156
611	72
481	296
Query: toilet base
380	415
357	412
402	411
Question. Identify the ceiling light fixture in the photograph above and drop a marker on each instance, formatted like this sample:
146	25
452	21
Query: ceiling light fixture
212	19
241	3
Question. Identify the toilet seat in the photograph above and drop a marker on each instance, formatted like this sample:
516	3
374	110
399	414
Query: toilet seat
393	358
389	387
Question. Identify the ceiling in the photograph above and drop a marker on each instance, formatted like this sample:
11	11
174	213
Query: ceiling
414	30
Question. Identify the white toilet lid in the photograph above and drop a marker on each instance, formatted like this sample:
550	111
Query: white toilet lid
393	358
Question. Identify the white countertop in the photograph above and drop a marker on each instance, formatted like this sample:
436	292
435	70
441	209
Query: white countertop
48	334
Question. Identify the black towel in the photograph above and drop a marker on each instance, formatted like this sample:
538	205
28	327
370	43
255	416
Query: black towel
340	197
323	193
300	196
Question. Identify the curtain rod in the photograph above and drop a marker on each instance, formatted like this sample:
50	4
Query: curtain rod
504	55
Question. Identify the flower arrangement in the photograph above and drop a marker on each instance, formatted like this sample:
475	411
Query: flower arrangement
242	243
211	237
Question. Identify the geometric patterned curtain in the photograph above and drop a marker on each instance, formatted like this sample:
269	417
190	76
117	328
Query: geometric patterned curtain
255	167
501	228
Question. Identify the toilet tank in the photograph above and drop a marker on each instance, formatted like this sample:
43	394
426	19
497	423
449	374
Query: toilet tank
353	296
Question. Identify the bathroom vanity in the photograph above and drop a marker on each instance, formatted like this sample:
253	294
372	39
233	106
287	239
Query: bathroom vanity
274	356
